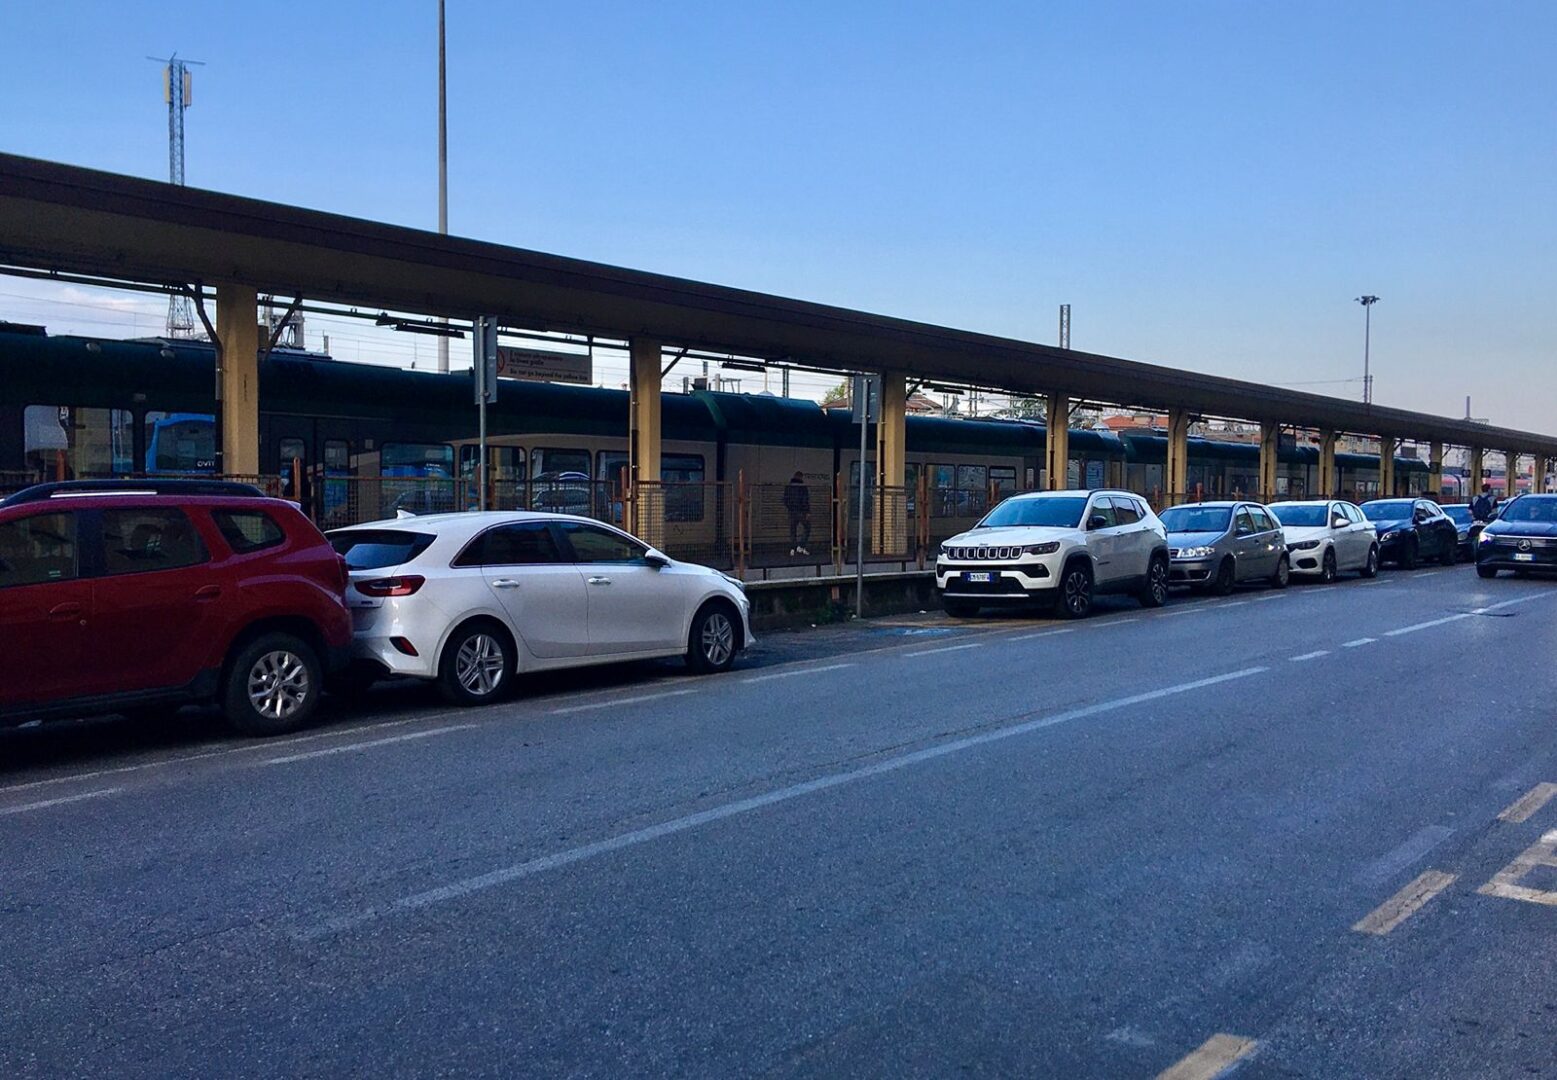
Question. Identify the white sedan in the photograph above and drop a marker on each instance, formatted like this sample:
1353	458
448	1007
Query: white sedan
473	599
1325	537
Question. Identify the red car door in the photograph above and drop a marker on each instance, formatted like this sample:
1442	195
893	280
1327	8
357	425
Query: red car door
154	599
45	609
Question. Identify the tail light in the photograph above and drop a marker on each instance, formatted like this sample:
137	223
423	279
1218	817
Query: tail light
391	586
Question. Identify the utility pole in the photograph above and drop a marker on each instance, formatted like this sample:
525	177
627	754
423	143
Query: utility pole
177	84
443	165
1367	303
1064	326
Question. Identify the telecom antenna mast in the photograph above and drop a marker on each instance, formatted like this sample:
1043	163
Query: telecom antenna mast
176	87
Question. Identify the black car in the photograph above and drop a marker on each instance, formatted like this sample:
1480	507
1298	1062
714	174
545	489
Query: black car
1411	530
1466	525
1522	538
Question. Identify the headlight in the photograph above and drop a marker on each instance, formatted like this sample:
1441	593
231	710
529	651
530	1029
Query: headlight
1041	549
737	582
1306	545
1484	538
1390	535
1196	552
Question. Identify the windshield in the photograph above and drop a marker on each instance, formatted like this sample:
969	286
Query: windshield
1459	514
1387	509
1299	516
372	549
1196	518
1528	508
1058	513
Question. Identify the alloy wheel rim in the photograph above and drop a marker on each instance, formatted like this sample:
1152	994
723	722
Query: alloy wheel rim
1159	581
1283	571
718	639
278	684
1329	566
479	664
1076	591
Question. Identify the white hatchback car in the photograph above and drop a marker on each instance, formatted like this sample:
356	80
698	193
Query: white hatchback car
1325	537
472	599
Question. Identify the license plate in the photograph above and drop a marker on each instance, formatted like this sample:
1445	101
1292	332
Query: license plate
980	578
1523	556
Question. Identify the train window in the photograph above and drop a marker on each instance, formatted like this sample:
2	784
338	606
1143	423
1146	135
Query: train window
64	442
435	460
551	464
682	475
337	457
1095	473
505	464
180	442
1004	479
289	449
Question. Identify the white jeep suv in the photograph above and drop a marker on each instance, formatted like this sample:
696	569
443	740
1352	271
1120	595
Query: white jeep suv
1061	547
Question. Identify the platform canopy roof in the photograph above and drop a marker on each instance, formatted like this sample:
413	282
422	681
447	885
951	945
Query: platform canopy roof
69	219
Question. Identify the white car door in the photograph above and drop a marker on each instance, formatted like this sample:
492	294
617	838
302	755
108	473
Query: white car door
1359	539
541	592
1135	540
1103	540
634	607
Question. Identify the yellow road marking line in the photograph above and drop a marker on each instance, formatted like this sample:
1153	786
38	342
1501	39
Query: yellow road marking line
1505	882
1404	904
1210	1059
1528	803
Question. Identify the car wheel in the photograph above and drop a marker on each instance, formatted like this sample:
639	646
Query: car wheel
711	647
1451	554
272	685
1226	577
1076	590
1486	571
959	610
1371	567
1155	594
1282	575
1327	566
477	664
1407	558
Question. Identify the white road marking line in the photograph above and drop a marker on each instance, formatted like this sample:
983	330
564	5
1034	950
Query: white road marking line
366	745
1414	627
1182	611
504	875
1359	642
797	671
1315	655
1425	573
1119	622
943	648
1268	596
1404	904
1413	849
1528	804
1510	603
612	703
1212	1058
62	800
1235	603
1043	633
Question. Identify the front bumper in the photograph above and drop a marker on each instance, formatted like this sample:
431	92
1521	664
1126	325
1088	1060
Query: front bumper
1505	555
1307	560
1192	571
1007	581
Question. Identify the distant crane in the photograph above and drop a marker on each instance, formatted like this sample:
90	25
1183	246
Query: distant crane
176	86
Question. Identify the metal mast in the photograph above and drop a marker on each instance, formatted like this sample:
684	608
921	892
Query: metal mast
176	86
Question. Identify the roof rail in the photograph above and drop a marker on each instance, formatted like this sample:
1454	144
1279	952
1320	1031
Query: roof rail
63	489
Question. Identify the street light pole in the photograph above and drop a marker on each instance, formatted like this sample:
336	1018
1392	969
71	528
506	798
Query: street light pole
443	166
1367	303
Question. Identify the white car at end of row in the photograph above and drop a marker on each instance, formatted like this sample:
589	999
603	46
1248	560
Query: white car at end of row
472	600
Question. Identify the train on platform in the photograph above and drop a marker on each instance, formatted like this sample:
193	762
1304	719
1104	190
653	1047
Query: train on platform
75	406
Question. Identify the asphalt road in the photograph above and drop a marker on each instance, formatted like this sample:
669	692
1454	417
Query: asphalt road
1290	833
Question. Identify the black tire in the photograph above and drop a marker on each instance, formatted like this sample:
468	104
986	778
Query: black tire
272	685
1371	567
1451	554
715	635
1283	574
1408	553
1155	592
1486	571
1226	578
1075	593
1327	566
478	663
959	609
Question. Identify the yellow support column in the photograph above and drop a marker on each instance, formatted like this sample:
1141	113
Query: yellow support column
1511	472
1327	478
891	532
1540	465
1270	447
1476	457
1435	469
237	328
643	447
1176	475
1057	438
1387	447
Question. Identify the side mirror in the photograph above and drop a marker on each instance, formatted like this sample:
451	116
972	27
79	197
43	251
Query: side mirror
1097	521
656	560
1339	522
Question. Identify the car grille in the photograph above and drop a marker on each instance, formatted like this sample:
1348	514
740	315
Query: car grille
1521	543
983	553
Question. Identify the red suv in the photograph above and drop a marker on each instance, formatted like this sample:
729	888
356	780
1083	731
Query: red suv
118	599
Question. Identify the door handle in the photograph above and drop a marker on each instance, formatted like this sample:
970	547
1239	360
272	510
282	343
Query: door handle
505	583
600	581
208	592
68	610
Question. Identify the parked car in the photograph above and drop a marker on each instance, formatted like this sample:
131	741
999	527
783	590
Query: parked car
1326	537
1056	547
114	598
1522	538
1217	545
1411	530
1466	525
472	600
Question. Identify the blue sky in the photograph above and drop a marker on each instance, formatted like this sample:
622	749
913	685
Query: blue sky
1208	184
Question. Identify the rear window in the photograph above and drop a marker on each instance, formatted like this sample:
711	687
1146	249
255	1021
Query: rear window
373	549
248	530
